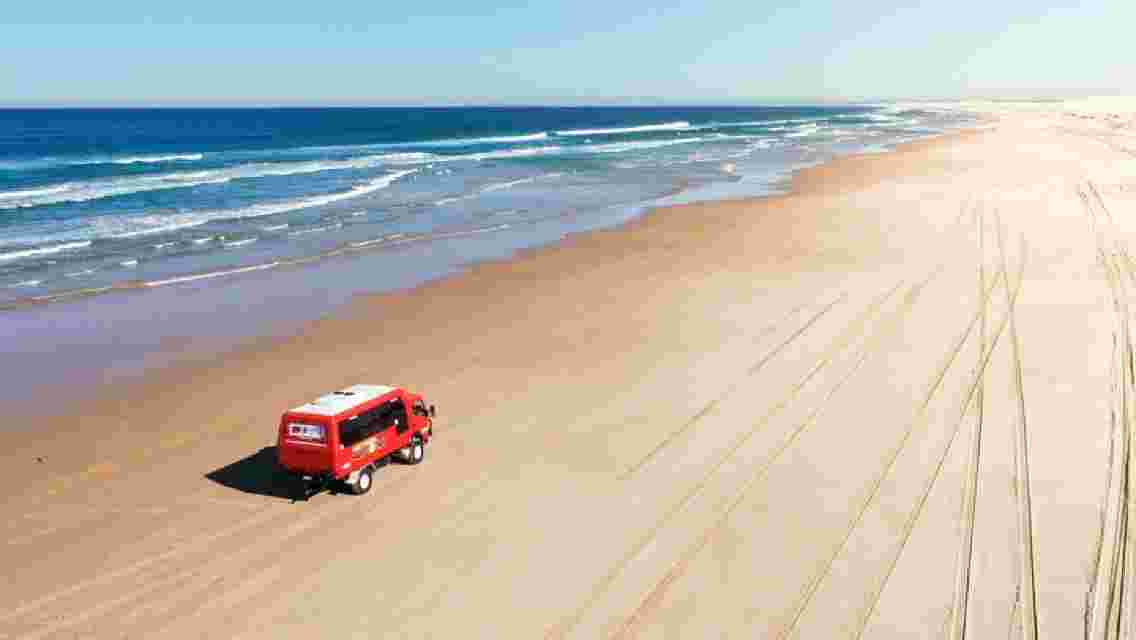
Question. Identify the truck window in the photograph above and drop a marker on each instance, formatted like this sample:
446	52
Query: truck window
398	414
360	427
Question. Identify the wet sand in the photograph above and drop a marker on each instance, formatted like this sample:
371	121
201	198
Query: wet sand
740	419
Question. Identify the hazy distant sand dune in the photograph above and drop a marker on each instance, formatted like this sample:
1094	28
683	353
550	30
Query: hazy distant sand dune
749	419
1103	104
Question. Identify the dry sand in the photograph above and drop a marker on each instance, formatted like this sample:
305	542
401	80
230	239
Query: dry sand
745	419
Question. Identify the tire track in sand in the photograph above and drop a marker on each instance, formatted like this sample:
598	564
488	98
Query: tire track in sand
956	224
678	567
1022	475
958	617
655	594
834	348
913	516
893	456
154	572
654	597
704	411
417	608
1105	603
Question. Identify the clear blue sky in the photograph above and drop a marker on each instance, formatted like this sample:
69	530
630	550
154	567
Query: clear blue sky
589	51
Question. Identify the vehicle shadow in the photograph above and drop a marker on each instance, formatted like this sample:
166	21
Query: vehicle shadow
256	474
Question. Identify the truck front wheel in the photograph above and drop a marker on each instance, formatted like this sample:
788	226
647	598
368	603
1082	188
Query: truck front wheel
417	451
362	483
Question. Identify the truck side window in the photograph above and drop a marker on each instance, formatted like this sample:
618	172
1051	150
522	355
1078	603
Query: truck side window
420	408
360	427
351	431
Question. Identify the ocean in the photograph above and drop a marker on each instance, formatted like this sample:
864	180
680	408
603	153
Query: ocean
106	201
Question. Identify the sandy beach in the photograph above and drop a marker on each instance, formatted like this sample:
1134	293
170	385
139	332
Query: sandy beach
895	402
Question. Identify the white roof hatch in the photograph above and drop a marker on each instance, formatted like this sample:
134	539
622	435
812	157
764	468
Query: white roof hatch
337	402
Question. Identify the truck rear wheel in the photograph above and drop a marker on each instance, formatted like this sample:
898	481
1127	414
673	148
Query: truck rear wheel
363	482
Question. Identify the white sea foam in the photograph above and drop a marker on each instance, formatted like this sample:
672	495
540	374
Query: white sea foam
213	274
138	159
731	125
367	243
154	224
509	153
501	154
666	126
464	142
752	123
240	243
498	186
276	227
328	227
134	226
79	274
385	239
804	130
267	209
129	263
32	193
191	157
25	283
41	251
163	245
187	175
620	147
470	232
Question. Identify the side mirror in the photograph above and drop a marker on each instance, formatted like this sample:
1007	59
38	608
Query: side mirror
432	411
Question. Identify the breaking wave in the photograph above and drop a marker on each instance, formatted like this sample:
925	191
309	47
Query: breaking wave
32	193
666	126
162	224
94	190
187	157
42	251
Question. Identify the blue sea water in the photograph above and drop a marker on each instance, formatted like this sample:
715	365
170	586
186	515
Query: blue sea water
106	200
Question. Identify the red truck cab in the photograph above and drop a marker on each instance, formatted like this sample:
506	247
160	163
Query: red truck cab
346	435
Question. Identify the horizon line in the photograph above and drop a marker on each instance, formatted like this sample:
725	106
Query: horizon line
1038	96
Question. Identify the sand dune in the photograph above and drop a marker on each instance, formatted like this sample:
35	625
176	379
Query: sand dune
895	403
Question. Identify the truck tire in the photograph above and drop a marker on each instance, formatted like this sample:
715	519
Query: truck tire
363	482
417	451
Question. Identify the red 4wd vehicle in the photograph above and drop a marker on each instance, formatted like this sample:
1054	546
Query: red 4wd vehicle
345	435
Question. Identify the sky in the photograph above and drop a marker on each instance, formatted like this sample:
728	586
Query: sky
367	52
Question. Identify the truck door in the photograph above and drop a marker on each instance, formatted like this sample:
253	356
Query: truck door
392	424
418	415
401	422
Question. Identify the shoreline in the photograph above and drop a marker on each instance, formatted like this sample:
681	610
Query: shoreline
125	287
796	183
